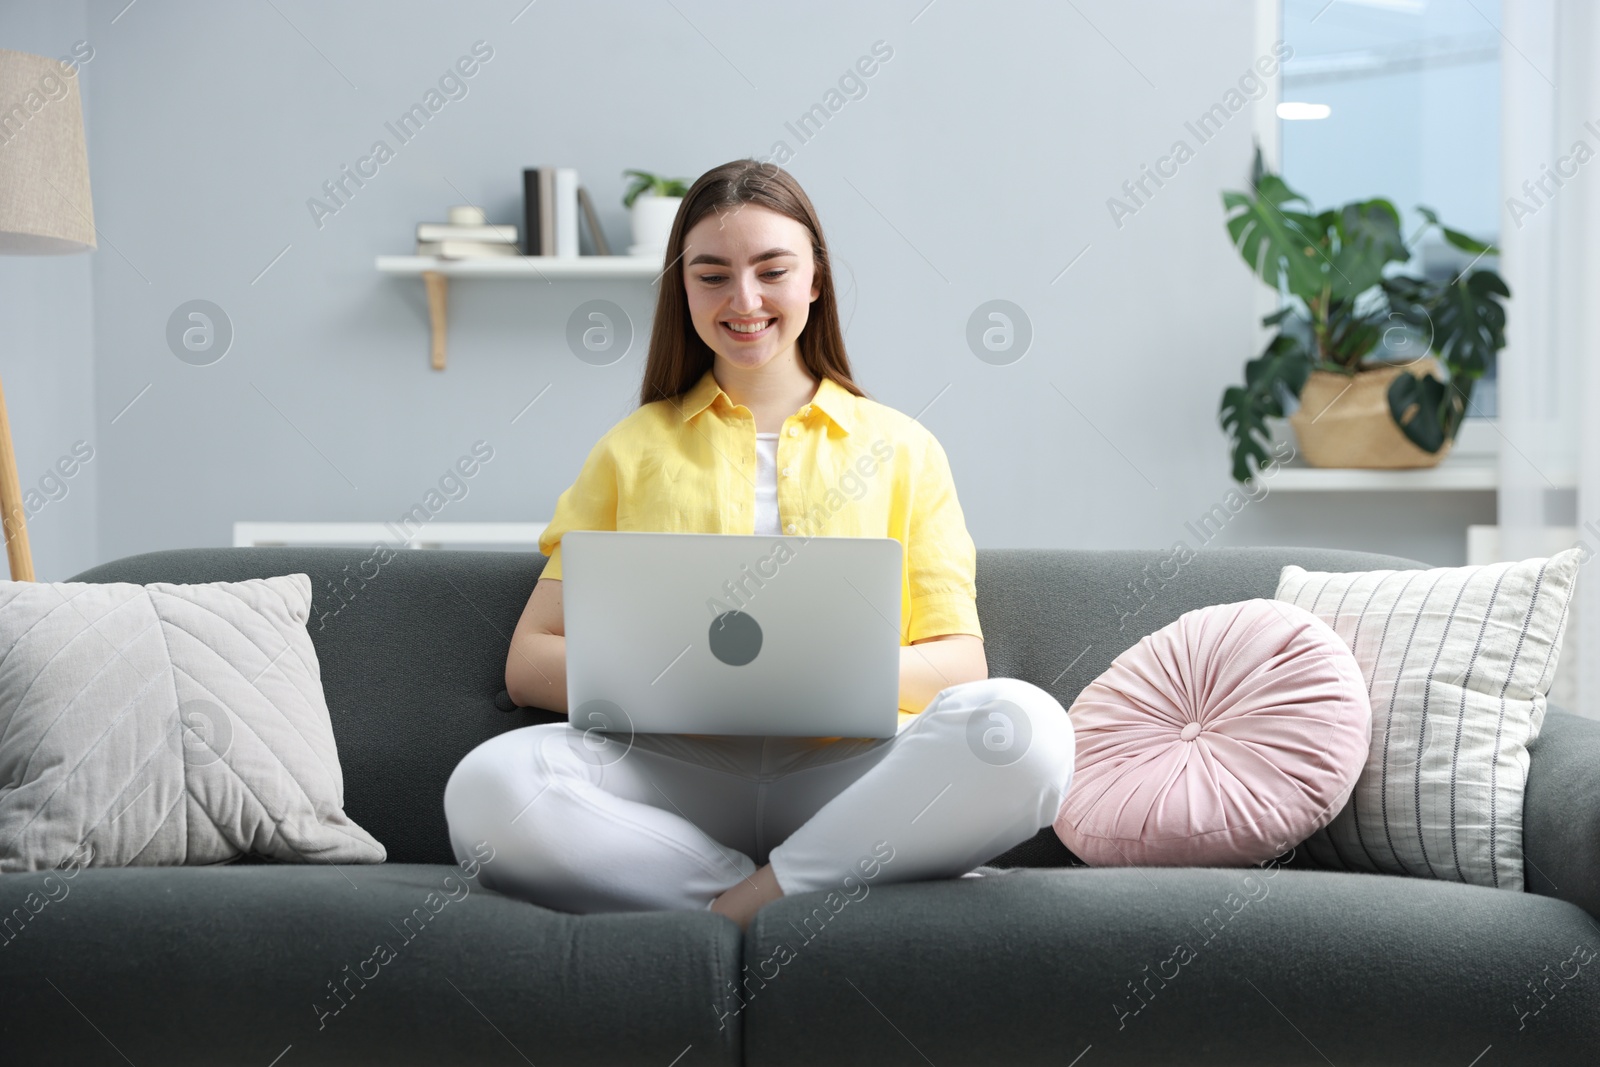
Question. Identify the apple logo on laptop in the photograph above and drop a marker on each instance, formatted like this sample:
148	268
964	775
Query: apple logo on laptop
735	638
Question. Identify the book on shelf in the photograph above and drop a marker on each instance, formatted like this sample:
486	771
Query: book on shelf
596	234
489	233
466	249
554	206
566	214
547	211
532	238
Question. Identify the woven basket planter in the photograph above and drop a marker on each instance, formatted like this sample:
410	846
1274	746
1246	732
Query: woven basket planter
1344	420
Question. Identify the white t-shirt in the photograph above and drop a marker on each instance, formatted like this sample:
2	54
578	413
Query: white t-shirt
766	483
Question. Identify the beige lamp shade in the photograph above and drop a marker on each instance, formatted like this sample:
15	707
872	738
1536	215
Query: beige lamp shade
44	167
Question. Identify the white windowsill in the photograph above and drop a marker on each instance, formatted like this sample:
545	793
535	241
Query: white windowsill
366	534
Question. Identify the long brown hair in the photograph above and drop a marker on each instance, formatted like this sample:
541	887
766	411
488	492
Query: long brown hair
678	357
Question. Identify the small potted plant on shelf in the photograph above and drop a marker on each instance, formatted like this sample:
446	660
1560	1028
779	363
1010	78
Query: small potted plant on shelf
1361	350
654	202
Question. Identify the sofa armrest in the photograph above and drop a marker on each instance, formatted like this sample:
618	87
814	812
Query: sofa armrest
1561	810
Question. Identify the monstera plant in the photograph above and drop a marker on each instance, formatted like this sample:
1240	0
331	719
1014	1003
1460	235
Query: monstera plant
1346	310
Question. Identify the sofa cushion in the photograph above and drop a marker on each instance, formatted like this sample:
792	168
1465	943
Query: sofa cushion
166	724
1222	739
1198	965
1458	660
244	964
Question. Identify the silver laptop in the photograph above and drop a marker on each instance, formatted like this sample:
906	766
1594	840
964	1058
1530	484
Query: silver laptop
732	633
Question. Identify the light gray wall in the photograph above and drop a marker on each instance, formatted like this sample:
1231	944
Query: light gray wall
977	166
47	352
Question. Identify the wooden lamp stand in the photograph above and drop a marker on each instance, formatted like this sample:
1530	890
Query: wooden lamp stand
12	517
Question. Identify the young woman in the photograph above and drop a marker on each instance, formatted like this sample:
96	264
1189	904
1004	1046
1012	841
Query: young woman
749	422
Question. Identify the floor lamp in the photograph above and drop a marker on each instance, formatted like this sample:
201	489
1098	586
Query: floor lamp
44	210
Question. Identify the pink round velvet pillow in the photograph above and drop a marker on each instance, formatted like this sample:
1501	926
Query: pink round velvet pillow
1219	740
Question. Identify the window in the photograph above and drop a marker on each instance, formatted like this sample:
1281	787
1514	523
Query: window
1399	99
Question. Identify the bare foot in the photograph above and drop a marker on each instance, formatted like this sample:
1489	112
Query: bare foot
741	901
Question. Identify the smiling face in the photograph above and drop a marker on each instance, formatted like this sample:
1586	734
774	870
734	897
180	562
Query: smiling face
750	278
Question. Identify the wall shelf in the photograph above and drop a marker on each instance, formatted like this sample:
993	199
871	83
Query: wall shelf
1473	466
524	266
436	273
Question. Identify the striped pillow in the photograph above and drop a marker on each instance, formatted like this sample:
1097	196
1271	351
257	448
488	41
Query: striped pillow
1458	661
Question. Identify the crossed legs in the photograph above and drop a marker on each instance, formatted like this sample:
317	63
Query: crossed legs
594	823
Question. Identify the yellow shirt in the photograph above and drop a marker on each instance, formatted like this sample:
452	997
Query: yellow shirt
847	467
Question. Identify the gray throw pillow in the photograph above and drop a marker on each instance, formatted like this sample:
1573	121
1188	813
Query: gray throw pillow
164	724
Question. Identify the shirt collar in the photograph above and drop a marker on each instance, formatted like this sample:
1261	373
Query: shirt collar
832	399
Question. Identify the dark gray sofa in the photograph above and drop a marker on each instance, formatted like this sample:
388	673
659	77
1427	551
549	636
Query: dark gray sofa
1052	963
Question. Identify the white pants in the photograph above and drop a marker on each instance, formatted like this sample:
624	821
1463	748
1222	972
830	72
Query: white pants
589	822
